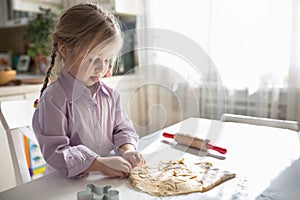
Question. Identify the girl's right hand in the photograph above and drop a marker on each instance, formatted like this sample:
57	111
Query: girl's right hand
114	166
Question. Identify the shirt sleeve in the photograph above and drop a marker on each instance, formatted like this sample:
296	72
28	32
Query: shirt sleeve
123	131
51	128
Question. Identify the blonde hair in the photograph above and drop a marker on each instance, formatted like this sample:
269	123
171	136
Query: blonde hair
80	27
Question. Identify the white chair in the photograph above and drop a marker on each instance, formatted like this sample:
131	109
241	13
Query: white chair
288	124
16	118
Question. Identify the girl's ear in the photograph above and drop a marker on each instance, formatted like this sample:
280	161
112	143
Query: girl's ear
62	50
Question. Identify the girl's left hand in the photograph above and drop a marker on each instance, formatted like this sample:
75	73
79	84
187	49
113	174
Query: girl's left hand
134	157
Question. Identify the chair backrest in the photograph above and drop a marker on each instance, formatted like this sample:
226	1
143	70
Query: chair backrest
16	118
288	124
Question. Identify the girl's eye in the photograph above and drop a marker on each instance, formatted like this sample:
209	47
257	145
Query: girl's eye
98	60
91	60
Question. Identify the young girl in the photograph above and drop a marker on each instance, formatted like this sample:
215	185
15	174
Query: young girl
78	120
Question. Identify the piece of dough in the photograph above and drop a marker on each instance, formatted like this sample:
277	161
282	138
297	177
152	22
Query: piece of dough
178	177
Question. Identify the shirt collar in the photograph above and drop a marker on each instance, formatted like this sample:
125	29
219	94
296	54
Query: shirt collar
103	88
74	88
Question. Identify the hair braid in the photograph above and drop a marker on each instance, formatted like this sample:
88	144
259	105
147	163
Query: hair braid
48	72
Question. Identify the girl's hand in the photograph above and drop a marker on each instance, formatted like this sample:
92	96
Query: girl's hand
114	166
134	157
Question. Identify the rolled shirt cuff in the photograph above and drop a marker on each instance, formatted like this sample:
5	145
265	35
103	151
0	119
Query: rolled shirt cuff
78	159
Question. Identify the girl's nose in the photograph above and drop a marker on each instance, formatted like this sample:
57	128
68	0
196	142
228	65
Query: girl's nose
100	67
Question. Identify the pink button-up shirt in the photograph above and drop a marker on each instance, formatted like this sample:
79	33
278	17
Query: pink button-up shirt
73	127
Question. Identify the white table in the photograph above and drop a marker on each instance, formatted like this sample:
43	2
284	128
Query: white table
266	161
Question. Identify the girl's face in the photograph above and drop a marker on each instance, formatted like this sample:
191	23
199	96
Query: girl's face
94	66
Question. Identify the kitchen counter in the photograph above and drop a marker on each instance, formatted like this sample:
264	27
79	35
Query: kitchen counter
21	85
11	90
25	83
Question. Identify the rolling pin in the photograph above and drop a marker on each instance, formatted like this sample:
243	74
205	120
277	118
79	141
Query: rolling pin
194	142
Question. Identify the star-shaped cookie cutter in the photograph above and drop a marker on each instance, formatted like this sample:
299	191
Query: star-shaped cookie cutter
94	192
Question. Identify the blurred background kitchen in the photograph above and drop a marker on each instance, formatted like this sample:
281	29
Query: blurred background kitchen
250	51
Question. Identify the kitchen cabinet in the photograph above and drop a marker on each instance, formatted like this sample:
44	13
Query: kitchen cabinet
33	6
129	7
20	92
16	12
10	17
116	6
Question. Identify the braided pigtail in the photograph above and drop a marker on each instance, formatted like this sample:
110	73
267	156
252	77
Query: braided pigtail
48	72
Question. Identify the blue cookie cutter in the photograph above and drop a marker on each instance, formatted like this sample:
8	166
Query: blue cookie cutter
94	192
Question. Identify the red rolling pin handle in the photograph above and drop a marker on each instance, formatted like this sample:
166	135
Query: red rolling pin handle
208	146
218	149
168	135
